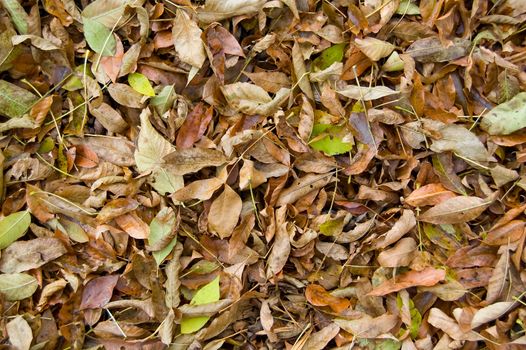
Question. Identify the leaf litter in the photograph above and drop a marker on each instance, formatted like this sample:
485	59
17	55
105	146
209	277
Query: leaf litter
262	174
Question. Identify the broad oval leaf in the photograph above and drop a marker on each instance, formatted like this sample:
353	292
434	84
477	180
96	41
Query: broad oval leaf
17	286
373	48
366	93
13	226
99	38
507	117
141	84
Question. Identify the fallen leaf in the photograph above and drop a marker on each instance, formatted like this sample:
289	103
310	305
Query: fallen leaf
366	93
217	10
427	277
13	226
373	48
318	296
224	213
401	254
190	160
456	210
20	333
187	40
209	293
27	255
97	292
431	194
141	84
14	101
367	326
17	286
507	117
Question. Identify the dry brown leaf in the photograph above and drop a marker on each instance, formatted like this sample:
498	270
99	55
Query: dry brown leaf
224	213
456	210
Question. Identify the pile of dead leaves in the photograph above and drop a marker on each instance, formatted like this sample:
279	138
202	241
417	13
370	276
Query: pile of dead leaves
253	174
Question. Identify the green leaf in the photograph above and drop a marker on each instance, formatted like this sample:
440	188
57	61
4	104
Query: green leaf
161	229
99	38
13	227
17	286
408	8
328	56
332	227
164	100
17	14
46	145
141	84
507	117
209	293
332	143
15	101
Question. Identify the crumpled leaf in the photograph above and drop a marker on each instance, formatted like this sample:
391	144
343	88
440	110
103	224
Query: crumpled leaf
162	238
187	40
27	255
252	99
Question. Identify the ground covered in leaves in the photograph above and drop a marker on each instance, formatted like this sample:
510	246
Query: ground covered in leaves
252	174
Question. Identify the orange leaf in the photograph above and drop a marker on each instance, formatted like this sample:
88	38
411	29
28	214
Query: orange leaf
431	194
427	277
318	296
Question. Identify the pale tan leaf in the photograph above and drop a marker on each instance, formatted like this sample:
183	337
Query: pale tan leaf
252	99
437	318
281	249
366	93
405	224
200	189
320	339
456	210
224	213
300	71
187	40
374	48
400	255
367	326
26	255
217	10
20	333
491	312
